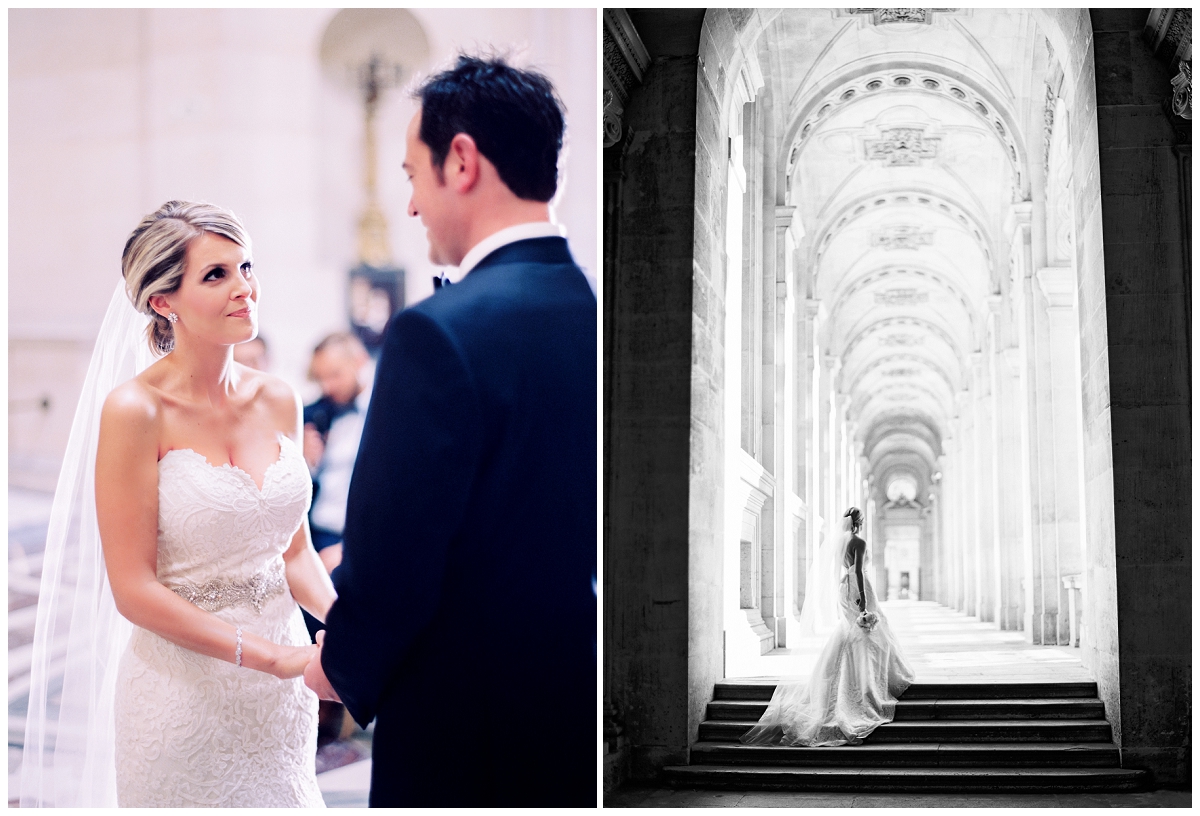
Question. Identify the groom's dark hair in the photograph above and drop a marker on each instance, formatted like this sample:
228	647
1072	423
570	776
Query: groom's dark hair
514	116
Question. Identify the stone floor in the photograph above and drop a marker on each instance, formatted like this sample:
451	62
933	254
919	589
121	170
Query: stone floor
28	514
943	646
666	797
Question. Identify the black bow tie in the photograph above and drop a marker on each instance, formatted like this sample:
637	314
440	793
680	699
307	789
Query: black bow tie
440	280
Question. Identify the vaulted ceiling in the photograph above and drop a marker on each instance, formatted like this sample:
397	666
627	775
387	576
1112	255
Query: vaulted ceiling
903	148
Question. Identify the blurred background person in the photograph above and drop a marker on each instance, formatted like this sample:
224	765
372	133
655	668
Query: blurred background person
332	427
253	353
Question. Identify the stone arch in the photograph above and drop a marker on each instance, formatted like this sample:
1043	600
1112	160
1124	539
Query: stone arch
816	450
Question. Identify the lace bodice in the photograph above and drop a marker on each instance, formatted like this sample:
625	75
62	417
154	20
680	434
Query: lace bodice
193	730
214	521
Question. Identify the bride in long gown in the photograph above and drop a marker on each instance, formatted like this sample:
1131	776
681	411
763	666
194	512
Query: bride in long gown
198	504
859	673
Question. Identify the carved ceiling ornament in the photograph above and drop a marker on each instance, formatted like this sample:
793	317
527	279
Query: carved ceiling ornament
1170	33
901	237
1181	101
920	78
902	340
901	297
917	366
858	208
904	325
1047	126
902	147
625	63
884	16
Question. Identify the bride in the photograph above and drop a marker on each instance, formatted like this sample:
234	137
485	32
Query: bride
198	502
860	671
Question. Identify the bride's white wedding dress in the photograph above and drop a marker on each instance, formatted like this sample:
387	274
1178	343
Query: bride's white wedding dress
192	730
854	683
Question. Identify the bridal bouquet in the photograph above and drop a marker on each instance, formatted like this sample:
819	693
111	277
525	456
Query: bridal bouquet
867	620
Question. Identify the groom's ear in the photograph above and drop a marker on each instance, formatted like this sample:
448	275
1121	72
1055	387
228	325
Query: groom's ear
461	169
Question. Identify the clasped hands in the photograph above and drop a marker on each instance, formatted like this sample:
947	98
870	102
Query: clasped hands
314	674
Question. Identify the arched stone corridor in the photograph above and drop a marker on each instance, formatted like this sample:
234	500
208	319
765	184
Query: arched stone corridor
933	263
898	335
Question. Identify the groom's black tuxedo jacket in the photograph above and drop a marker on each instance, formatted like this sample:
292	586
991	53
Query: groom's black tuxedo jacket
466	617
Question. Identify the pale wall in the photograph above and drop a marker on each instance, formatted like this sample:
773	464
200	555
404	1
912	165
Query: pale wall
113	112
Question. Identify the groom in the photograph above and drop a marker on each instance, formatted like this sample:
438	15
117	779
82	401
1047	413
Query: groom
466	616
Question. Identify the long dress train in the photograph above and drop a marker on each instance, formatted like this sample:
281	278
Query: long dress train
853	686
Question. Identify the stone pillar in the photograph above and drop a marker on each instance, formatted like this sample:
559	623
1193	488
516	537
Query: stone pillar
970	495
984	549
832	429
662	419
1018	227
812	440
952	487
1011	496
1046	586
1058	289
1135	320
779	422
995	577
926	582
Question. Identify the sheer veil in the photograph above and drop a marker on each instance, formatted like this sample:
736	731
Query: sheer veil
821	610
79	635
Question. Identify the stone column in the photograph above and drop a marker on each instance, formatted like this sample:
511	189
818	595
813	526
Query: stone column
812	440
1058	288
952	508
1011	497
995	578
779	421
1031	376
832	433
1046	588
984	544
970	496
1135	321
663	497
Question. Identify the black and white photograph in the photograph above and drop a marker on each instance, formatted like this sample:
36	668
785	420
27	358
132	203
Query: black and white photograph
303	407
897	407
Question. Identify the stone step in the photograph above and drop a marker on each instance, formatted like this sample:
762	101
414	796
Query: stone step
763	689
908	710
949	731
1007	780
929	755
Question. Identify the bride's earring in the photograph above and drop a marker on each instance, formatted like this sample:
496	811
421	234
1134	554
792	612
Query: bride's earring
173	318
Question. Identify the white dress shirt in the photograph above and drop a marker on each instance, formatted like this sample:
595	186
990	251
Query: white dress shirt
508	235
337	465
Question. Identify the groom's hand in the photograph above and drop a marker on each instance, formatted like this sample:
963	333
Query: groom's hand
314	674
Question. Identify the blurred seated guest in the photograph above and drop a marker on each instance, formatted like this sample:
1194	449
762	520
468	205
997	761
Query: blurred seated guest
253	353
332	427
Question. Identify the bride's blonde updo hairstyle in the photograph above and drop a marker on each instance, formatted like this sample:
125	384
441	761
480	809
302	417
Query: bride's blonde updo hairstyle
154	256
855	519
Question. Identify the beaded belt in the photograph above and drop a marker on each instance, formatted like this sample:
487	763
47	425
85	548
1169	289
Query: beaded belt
217	594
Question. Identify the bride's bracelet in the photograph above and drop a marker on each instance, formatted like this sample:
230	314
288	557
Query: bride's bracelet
237	658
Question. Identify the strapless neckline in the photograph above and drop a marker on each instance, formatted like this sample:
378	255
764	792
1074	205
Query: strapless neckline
229	466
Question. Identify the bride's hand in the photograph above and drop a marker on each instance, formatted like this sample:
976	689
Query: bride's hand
291	661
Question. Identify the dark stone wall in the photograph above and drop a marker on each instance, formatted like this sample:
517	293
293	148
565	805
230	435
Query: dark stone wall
650	177
1147	272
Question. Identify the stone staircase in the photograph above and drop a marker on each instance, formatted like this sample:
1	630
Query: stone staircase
1008	737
